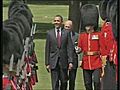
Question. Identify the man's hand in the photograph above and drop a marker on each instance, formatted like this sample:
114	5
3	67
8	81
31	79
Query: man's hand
77	49
80	63
104	60
102	71
70	66
48	68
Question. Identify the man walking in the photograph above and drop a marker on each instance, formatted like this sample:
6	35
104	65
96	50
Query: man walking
90	43
74	36
58	54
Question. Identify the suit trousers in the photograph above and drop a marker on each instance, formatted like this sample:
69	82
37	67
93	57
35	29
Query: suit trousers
92	76
59	77
72	77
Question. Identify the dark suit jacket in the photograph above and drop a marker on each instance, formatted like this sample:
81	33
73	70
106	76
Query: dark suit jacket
75	56
52	52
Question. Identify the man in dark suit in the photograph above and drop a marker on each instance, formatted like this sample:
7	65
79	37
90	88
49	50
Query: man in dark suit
58	54
74	36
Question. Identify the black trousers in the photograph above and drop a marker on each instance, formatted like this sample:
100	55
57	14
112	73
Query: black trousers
72	77
109	79
59	78
92	76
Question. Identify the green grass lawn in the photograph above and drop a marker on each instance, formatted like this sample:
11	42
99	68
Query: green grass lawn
43	15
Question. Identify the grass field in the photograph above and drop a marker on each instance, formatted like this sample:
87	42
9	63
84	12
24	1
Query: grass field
43	15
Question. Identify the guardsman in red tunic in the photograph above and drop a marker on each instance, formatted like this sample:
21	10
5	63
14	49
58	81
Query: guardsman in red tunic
110	76
109	42
91	45
108	36
113	17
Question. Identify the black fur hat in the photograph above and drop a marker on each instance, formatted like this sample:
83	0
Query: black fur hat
89	16
113	15
102	9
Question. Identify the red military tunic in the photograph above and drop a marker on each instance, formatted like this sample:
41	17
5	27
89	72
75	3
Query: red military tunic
91	42
110	43
8	84
107	33
113	53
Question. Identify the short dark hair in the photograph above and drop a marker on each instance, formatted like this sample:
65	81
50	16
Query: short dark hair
60	17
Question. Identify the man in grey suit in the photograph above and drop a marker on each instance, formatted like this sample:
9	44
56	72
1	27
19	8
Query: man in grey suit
74	36
58	54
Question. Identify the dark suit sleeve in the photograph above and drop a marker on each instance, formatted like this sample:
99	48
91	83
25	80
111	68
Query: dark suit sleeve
47	49
70	48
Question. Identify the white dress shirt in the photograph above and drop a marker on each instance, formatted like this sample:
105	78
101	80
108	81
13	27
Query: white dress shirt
59	31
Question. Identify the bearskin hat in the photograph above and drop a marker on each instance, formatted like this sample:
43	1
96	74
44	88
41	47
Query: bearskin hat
112	15
89	16
102	9
110	3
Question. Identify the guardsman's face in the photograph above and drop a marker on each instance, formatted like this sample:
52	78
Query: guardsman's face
89	29
57	22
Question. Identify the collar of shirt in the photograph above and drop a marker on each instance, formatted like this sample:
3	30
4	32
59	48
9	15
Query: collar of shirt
56	31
